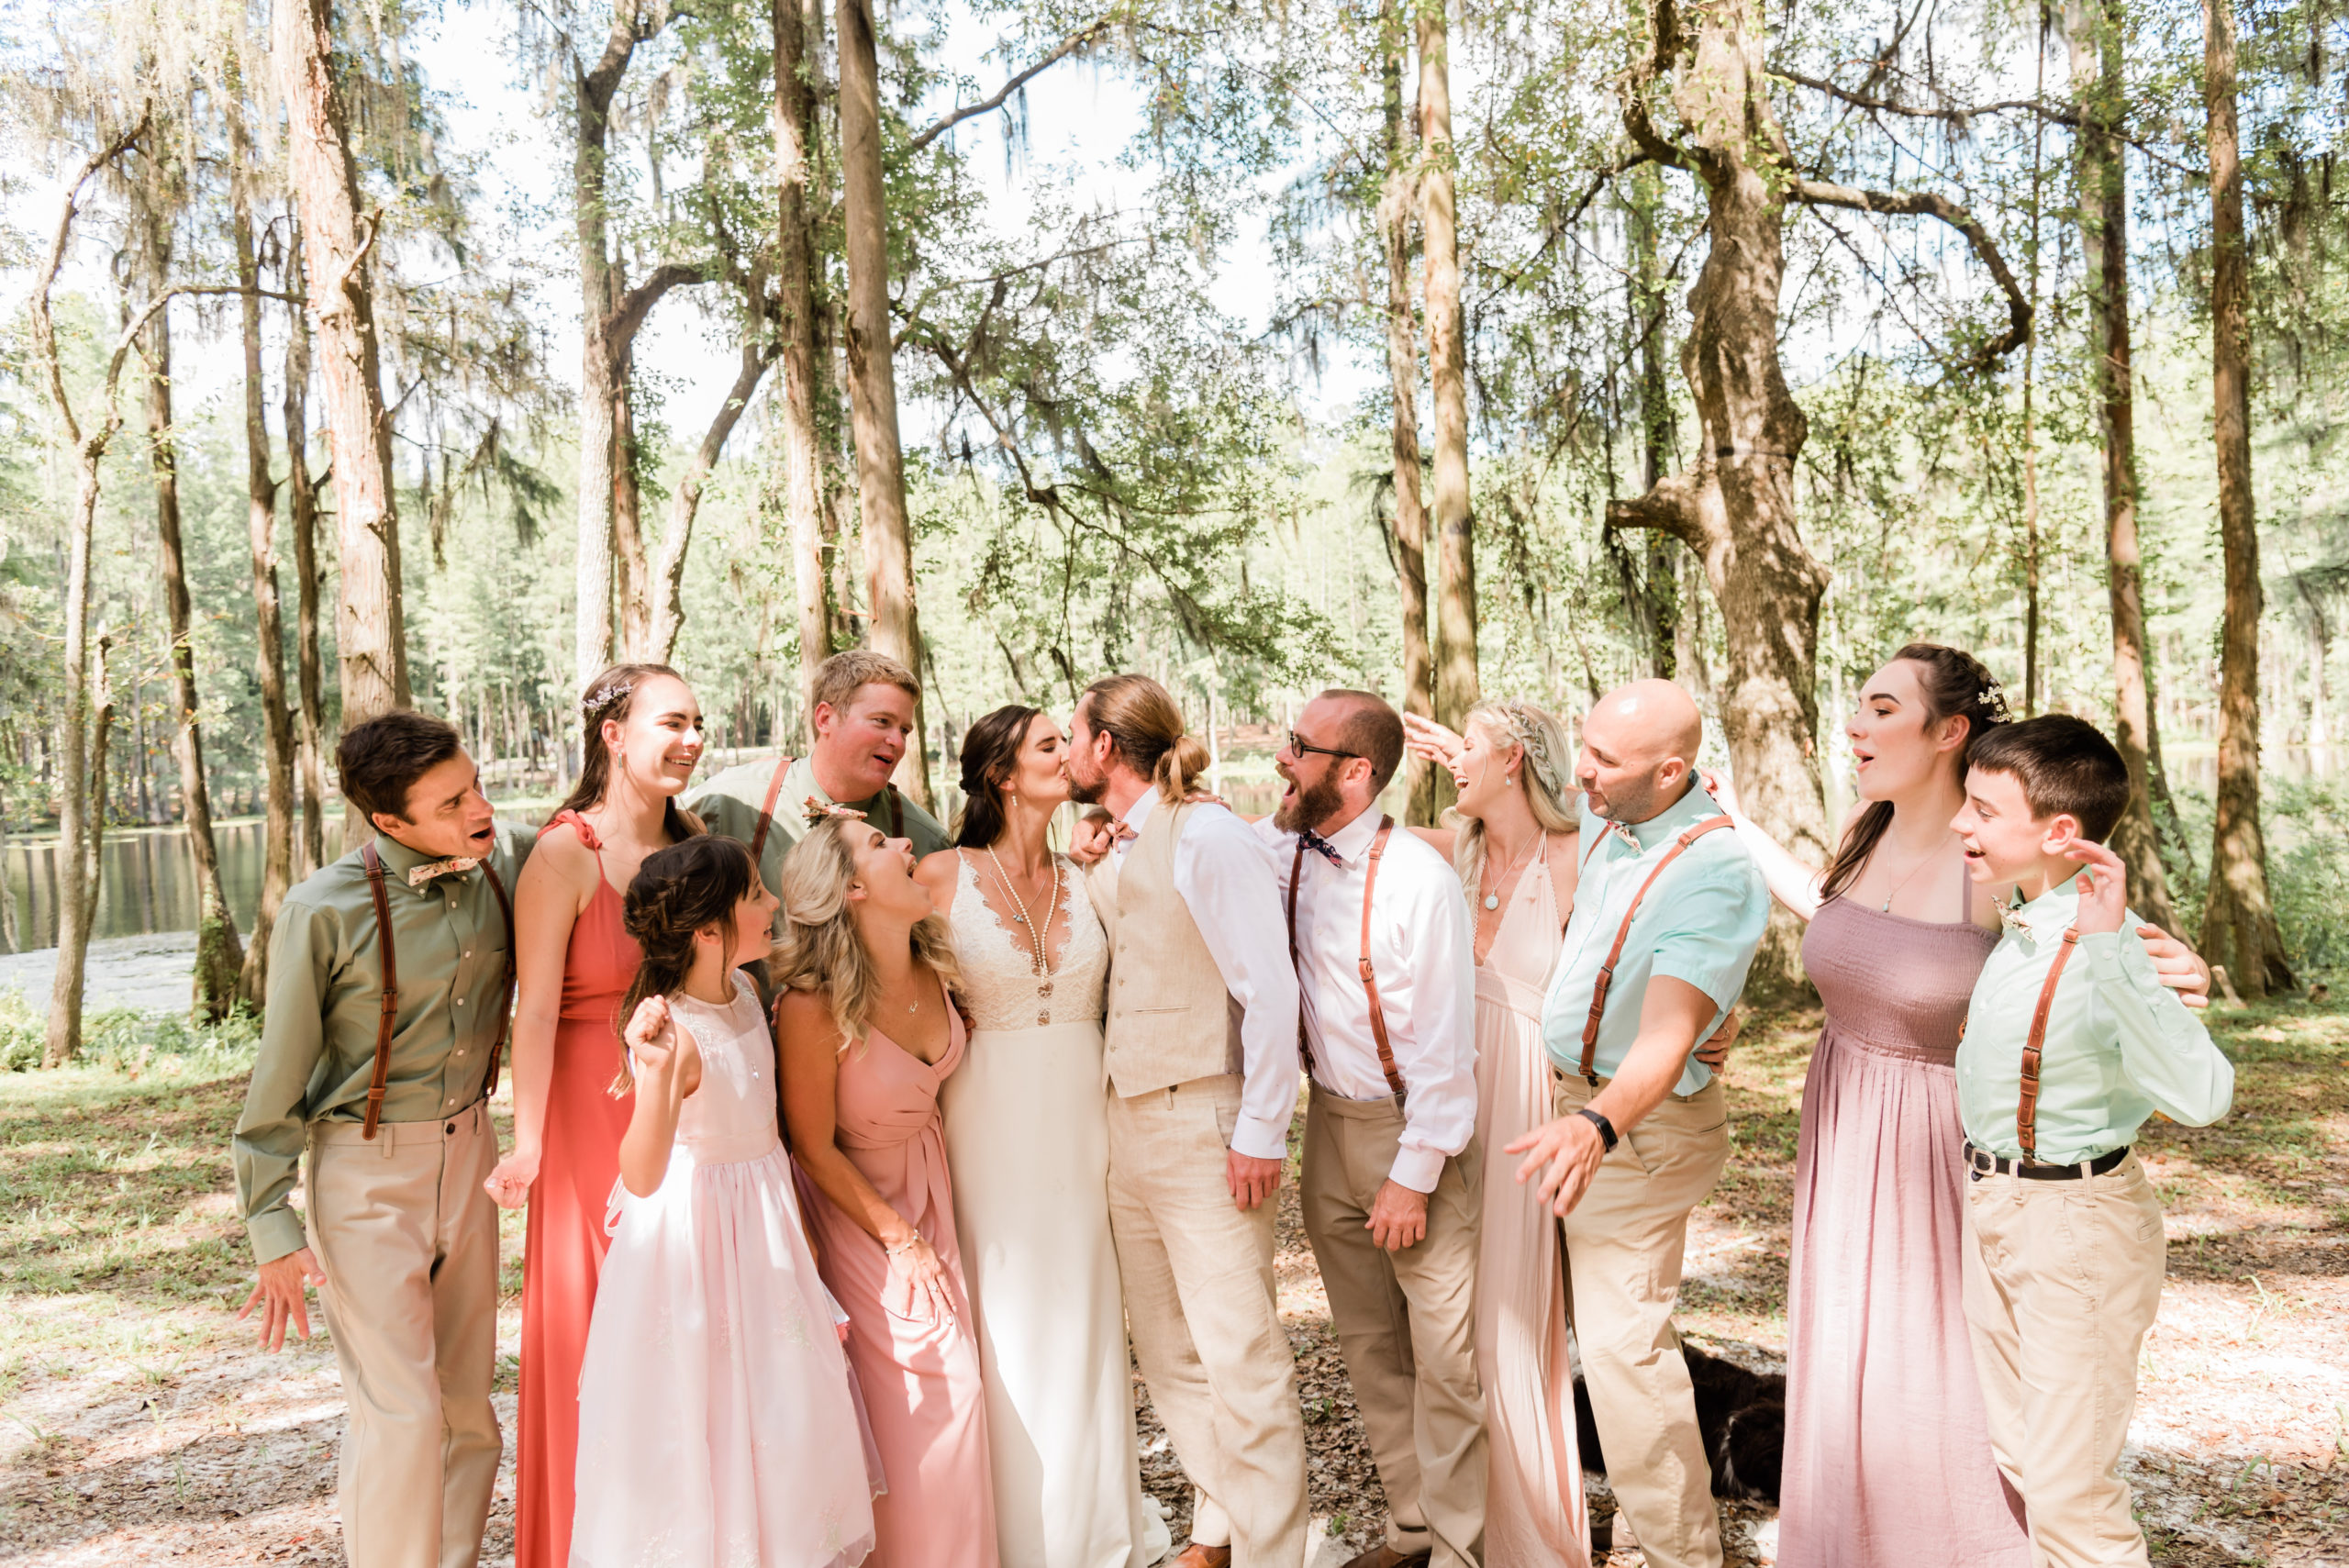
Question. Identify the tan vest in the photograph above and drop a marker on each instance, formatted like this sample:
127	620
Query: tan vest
1170	1018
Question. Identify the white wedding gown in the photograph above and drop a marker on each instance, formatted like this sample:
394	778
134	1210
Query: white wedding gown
1028	1146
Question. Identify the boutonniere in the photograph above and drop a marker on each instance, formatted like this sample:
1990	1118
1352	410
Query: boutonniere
824	811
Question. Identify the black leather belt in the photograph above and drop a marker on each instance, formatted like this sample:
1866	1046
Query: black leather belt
1981	1163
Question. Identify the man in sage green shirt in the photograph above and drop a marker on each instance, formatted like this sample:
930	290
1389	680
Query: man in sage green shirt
861	710
397	1231
2071	1044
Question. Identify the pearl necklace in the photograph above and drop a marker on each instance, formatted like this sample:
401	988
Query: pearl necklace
1039	959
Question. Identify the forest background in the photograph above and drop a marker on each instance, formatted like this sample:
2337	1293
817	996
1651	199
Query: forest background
1511	350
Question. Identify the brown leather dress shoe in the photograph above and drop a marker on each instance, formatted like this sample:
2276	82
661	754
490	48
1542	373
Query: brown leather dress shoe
1198	1556
1385	1556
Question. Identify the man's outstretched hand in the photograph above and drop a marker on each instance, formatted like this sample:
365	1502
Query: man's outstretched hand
279	1293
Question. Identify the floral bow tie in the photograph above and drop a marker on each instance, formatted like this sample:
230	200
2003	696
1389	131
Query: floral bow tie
2010	915
1624	831
825	810
1320	846
1119	831
419	875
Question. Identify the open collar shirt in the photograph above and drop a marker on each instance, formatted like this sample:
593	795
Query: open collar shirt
1700	923
1423	948
326	987
727	803
2119	1047
1224	876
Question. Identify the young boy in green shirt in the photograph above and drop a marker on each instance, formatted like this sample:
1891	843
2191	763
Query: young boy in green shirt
2071	1043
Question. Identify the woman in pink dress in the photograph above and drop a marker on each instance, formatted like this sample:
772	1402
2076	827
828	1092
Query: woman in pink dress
574	962
869	1034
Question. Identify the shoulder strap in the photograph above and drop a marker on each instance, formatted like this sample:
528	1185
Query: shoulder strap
389	1012
1369	978
1296	874
1623	934
766	807
897	814
506	991
2027	1105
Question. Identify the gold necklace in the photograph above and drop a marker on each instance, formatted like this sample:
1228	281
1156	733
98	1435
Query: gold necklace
1493	900
1925	861
1039	957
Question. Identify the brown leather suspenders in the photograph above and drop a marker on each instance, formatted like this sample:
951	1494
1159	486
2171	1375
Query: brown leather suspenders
1369	974
766	808
2027	1106
1623	934
388	1013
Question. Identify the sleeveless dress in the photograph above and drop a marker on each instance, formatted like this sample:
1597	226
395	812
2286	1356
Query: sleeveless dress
564	1251
1887	1455
1028	1141
1534	1515
716	1425
920	1379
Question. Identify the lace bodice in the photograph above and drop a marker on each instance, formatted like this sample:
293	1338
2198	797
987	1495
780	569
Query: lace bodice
732	1115
999	983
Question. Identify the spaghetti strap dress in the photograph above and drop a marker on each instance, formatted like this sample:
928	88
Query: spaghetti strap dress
1887	1455
1534	1515
563	1253
920	1379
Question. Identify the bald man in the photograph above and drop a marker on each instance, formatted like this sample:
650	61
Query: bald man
1667	914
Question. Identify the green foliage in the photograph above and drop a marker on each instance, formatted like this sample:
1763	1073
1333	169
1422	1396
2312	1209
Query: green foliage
132	1043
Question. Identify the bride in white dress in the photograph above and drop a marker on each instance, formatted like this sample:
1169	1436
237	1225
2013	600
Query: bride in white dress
1027	1142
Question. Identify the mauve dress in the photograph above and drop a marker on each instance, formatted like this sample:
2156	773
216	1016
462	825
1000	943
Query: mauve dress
920	1379
564	1251
1887	1456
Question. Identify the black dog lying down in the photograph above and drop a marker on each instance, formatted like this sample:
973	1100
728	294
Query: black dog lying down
1742	1416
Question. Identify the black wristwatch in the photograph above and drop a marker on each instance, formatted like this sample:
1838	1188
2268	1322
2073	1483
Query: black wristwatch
1606	1139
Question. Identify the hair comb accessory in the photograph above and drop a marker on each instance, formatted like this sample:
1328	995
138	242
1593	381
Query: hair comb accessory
820	810
606	695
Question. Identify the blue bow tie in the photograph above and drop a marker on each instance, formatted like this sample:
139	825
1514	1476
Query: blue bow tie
1320	846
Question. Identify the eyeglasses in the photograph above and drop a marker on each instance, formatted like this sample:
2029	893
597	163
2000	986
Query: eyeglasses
1299	746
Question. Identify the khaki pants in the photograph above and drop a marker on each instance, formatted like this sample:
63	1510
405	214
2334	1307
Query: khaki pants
408	1240
1201	1303
1407	1323
2062	1281
1624	1245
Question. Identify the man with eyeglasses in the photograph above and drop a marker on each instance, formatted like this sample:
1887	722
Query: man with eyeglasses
1380	934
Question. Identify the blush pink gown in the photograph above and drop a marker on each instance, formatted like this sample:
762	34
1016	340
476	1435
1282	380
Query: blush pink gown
919	1379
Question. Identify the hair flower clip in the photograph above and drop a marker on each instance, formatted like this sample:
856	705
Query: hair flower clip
820	810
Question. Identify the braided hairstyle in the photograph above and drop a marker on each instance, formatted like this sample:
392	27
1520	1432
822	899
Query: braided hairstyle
608	699
990	751
678	893
1955	684
1547	776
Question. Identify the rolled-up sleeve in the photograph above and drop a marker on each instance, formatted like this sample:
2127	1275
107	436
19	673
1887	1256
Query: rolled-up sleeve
267	1145
2164	1050
1226	877
1715	924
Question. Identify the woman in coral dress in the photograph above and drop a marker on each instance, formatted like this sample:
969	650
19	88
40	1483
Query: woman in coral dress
869	1035
575	961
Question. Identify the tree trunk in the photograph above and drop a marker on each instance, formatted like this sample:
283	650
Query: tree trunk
1735	507
600	388
2096	44
219	959
1658	584
1455	680
302	517
371	639
795	27
1423	781
873	379
7	889
668	609
631	562
2239	926
260	526
76	894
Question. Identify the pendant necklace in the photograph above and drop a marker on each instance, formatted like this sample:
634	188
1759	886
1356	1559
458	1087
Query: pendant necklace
1492	899
1038	964
1907	880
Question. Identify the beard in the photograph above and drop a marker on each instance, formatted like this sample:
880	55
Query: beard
1314	803
1086	791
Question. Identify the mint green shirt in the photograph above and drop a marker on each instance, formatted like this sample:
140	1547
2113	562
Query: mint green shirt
326	989
2119	1045
1699	923
729	805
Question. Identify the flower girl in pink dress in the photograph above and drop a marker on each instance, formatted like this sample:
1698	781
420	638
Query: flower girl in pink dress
717	1427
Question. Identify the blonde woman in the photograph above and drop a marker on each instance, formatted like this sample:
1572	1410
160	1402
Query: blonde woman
869	1035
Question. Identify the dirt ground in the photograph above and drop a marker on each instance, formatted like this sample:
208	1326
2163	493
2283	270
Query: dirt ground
139	1423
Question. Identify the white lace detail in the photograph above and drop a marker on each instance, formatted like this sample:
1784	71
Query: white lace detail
998	976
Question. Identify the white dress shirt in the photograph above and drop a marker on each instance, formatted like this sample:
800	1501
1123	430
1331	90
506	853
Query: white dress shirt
1224	876
1422	947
